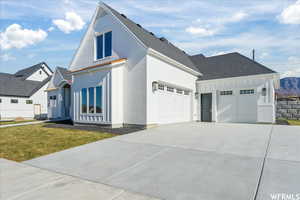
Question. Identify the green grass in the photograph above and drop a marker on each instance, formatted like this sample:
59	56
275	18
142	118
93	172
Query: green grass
294	122
15	122
31	141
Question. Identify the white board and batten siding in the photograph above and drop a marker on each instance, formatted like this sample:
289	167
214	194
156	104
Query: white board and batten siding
169	107
10	110
124	87
249	108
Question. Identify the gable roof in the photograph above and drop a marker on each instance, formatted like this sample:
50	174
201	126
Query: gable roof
25	73
16	85
66	74
228	65
160	45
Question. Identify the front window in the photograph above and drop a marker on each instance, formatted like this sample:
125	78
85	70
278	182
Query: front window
91	100
99	99
29	102
84	100
104	45
14	101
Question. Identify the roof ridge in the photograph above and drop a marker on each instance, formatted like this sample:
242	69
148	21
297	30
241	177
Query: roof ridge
150	40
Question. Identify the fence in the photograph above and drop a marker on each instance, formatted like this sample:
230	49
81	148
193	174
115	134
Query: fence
288	108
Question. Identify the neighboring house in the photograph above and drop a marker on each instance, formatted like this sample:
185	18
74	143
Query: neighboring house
123	74
23	94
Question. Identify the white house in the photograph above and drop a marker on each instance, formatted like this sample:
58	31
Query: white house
122	74
23	94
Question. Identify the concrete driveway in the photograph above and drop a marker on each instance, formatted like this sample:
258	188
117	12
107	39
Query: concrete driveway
190	161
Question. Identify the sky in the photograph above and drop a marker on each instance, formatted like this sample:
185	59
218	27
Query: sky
35	31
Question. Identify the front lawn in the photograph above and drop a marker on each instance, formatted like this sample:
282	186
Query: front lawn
31	141
15	122
294	122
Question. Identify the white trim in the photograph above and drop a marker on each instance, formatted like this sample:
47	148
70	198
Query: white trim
156	54
96	34
106	67
84	36
102	5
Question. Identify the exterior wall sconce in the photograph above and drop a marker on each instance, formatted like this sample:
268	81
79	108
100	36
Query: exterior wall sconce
197	95
154	86
264	92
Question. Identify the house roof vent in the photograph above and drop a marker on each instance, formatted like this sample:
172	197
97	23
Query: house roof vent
151	33
123	16
139	25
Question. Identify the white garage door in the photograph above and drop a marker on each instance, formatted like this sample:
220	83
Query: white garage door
240	107
227	107
247	106
173	107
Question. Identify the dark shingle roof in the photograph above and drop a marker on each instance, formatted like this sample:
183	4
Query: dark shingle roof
163	46
65	73
17	87
15	84
25	73
228	65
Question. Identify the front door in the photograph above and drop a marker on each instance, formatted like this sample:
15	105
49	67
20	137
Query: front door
206	107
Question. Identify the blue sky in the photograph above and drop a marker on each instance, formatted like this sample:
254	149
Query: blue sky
35	31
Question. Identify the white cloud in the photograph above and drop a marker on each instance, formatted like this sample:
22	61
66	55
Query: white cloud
291	14
50	29
291	73
238	17
7	57
200	31
72	22
16	37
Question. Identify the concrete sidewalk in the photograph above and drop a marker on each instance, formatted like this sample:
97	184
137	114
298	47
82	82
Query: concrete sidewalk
23	182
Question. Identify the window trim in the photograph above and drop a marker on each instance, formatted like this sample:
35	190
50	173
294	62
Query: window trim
95	98
103	48
245	92
226	93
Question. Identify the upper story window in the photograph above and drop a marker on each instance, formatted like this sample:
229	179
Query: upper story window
0	100
104	45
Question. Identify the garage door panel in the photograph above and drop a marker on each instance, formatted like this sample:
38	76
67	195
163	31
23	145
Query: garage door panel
227	108
237	108
173	107
247	108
